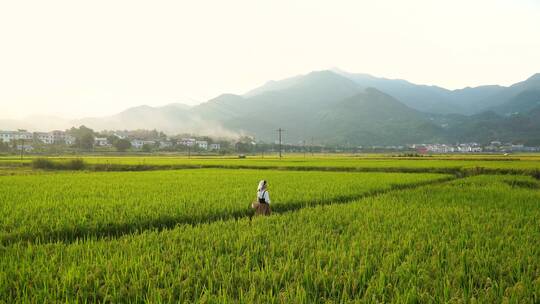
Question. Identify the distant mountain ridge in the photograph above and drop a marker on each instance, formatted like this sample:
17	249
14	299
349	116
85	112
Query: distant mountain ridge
430	99
338	107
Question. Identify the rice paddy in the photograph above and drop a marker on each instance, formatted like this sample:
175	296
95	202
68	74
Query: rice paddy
333	237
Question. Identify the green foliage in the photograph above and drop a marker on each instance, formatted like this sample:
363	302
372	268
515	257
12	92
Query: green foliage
75	164
146	148
84	137
536	173
50	164
4	147
43	163
122	145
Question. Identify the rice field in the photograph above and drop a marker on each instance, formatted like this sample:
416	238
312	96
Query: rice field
64	206
186	236
515	162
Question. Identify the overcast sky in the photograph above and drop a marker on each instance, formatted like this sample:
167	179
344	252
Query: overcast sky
85	58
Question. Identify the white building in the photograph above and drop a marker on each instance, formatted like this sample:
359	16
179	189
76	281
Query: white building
101	141
27	148
139	143
44	137
7	136
59	137
69	140
188	142
215	147
165	144
518	147
469	148
202	144
120	135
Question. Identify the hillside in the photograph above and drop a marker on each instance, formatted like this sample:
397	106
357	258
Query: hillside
372	117
293	108
339	107
522	103
429	99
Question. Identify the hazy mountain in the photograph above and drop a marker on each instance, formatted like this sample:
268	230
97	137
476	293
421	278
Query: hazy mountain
360	109
424	98
166	118
294	107
36	123
324	105
489	126
372	117
336	107
225	106
532	83
471	100
172	118
522	103
430	99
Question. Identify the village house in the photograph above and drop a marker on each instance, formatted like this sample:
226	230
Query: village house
187	142
69	140
491	148
202	144
440	148
27	148
421	149
101	141
469	148
518	148
44	137
121	135
59	137
139	143
215	147
7	136
165	144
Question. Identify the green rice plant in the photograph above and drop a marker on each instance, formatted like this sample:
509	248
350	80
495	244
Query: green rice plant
468	240
69	206
450	164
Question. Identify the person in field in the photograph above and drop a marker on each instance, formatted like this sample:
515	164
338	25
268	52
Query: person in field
262	205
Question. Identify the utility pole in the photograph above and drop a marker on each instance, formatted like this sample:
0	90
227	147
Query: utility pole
22	147
280	130
311	148
304	147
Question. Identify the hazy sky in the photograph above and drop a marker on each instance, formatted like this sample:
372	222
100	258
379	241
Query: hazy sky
85	58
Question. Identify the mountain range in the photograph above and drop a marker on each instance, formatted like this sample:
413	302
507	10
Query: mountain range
337	107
